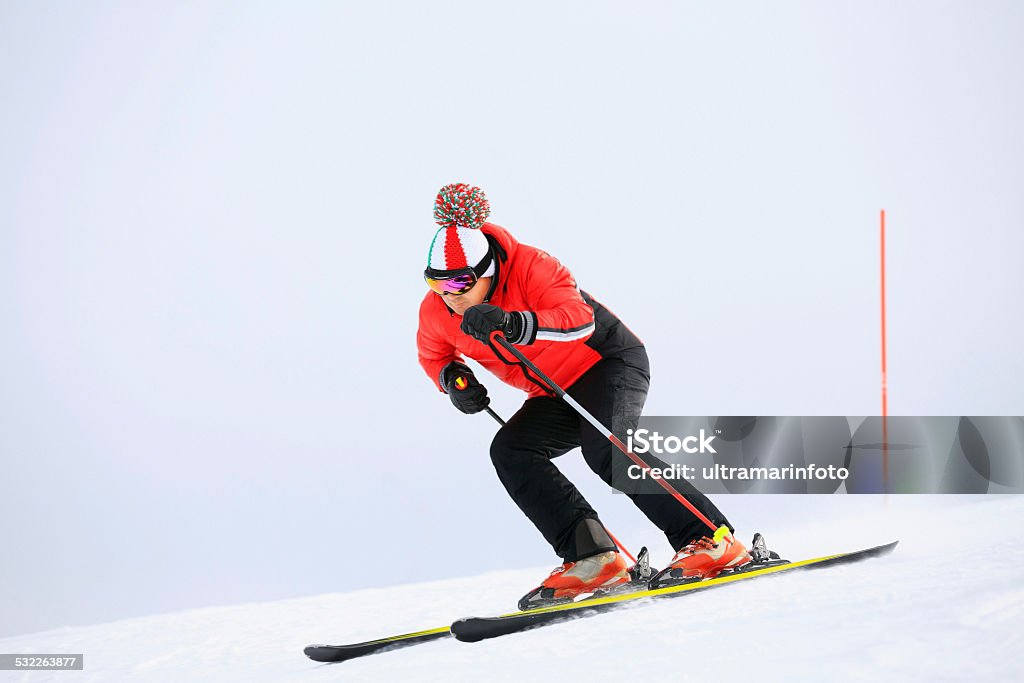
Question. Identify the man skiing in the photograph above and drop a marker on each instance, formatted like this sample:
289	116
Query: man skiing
481	279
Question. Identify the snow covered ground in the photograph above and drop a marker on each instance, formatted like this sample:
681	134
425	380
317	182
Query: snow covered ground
947	605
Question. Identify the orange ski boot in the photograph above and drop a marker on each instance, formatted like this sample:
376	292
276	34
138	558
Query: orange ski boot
594	574
704	558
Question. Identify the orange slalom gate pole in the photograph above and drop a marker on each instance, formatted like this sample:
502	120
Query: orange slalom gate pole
885	378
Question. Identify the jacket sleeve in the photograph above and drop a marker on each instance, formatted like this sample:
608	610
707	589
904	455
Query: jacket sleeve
559	312
435	352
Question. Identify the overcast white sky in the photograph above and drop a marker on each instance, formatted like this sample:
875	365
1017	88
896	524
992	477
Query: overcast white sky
214	219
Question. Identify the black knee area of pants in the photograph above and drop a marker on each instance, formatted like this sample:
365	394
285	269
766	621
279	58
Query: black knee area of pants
502	449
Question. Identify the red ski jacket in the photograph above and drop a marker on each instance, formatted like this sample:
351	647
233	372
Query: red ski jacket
573	330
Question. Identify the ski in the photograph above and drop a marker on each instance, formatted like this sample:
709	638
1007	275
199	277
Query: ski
640	573
342	653
473	629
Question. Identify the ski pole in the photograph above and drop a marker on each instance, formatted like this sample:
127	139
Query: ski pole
625	551
498	338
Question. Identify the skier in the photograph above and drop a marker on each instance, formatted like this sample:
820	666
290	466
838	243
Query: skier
481	279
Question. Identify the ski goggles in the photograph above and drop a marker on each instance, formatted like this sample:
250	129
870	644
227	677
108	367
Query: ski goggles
460	283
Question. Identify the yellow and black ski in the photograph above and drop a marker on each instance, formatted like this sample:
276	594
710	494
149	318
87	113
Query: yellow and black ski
341	653
472	629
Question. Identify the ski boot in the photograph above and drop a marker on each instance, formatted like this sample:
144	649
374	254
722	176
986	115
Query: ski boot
592	577
709	558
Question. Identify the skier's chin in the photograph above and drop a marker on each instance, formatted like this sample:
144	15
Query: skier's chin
459	308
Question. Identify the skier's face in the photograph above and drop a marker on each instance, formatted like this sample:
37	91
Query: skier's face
460	303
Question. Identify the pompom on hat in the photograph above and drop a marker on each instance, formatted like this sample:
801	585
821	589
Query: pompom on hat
460	210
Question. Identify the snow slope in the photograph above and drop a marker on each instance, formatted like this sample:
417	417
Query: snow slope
947	605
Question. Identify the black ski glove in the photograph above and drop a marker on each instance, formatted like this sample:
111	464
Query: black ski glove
467	395
518	327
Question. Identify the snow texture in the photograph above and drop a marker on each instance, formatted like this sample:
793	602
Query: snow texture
948	604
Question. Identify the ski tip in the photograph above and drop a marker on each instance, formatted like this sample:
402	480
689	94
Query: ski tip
318	653
475	629
856	556
467	629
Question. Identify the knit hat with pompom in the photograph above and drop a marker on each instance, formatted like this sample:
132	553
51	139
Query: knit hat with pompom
460	210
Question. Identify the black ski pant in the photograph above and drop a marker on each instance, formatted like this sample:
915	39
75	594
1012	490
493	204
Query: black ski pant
546	427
